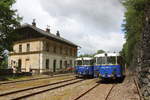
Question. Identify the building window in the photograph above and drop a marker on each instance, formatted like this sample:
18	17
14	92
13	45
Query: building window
27	59
47	63
60	50
54	49
66	51
75	54
47	46
20	48
28	47
70	52
70	63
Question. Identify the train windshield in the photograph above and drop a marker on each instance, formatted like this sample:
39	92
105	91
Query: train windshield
87	62
111	60
101	60
79	62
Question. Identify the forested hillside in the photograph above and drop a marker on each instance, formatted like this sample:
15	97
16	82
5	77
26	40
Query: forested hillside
136	50
133	25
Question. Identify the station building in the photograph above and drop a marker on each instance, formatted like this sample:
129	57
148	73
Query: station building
39	51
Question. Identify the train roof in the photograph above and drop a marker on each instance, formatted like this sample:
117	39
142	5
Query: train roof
100	55
108	54
84	58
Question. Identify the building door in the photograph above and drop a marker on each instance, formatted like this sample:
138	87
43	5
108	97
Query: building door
65	64
27	65
54	66
60	64
19	65
70	63
47	63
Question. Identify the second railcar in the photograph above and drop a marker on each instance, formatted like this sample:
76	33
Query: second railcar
84	67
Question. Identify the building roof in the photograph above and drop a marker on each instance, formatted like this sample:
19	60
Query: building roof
108	55
47	34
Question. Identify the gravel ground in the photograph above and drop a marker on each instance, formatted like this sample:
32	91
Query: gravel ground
122	91
16	86
10	97
32	77
99	93
125	91
66	93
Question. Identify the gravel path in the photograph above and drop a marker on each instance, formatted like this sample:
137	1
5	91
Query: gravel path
16	86
12	96
122	91
99	93
125	91
66	93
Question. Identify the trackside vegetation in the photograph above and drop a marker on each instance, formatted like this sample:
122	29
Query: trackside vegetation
133	26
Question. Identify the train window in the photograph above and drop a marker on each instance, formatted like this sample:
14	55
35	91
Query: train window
92	62
101	60
119	60
86	62
79	62
111	60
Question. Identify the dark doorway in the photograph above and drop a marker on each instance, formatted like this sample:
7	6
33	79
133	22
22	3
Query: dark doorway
47	63
19	65
54	66
60	64
65	64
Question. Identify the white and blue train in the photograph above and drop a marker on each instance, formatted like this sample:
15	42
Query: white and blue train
84	67
109	65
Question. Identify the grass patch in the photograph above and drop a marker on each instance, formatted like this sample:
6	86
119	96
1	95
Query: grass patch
13	77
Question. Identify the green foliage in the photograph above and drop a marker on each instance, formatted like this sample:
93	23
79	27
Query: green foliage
134	18
4	63
92	55
100	51
86	55
9	20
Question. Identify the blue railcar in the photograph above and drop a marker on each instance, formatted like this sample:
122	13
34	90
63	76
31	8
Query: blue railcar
109	65
84	67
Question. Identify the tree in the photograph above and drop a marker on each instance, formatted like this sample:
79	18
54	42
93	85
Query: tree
133	27
9	20
86	55
100	51
92	55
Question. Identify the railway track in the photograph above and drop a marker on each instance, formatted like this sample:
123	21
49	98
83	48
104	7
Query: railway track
28	92
19	81
96	85
77	98
107	96
138	89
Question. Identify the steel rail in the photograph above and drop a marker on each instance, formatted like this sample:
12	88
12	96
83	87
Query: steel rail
110	91
35	87
1	83
86	91
49	89
138	89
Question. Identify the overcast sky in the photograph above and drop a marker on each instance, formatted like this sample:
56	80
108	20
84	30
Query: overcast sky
91	24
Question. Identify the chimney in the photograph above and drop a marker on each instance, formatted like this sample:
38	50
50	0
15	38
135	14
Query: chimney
34	23
48	29
57	34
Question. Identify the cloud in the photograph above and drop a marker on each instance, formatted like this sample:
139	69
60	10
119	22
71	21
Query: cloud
92	24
